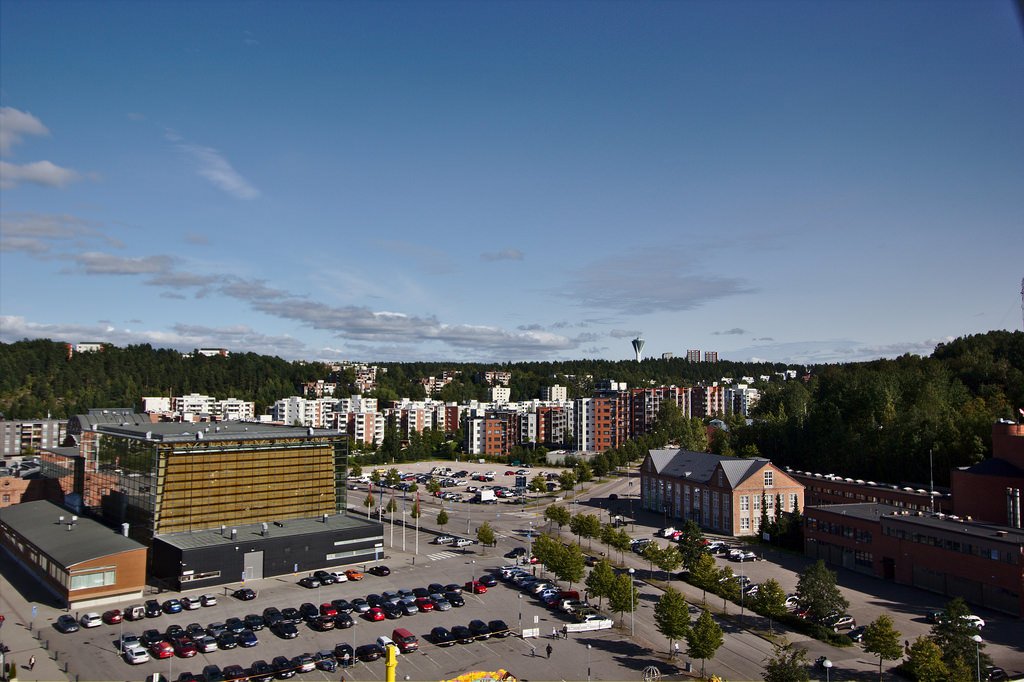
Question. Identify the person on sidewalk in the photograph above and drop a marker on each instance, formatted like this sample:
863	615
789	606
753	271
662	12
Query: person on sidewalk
31	662
549	650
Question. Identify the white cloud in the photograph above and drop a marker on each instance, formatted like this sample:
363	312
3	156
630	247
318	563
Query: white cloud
38	233
624	333
15	124
43	173
212	165
735	331
95	263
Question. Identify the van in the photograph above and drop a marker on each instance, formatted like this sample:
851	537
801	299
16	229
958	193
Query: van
136	612
405	640
569	594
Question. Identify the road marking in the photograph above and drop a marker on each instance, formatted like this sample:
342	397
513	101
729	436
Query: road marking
438	556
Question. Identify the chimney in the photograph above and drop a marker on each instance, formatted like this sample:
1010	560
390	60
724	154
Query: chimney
234	533
124	529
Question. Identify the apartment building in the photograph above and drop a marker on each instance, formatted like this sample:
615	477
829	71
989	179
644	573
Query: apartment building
30	436
554	393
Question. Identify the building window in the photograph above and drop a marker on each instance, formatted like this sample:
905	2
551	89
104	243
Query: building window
757	503
744	503
744	524
768	479
90	580
792	501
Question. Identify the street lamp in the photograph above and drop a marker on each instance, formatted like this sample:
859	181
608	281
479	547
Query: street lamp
632	623
520	615
827	665
588	662
977	651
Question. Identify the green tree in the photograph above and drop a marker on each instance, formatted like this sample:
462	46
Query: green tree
600	580
669	559
621	541
770	600
786	664
704	639
576	524
584	473
416	511
691	544
557	514
392	477
672	615
567	479
539	484
571	564
651	553
953	633
433	486
392	506
728	587
546	549
816	589
623	596
369	501
376	477
485	536
442	518
882	639
924	662
705	575
355	470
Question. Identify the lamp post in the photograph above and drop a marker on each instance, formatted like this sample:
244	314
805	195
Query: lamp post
588	662
827	665
520	616
632	622
977	652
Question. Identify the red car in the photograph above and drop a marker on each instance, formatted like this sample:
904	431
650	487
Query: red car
112	617
510	473
328	609
184	647
424	604
161	650
375	614
476	587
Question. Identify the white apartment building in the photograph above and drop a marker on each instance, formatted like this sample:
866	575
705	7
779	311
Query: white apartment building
21	437
582	420
741	399
233	409
500	394
193	403
554	393
156	404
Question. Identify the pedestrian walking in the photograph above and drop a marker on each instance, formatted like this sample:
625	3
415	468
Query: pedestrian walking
565	632
31	662
554	633
675	650
550	649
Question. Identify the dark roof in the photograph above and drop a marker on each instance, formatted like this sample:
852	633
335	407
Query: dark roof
995	467
700	466
39	522
289	528
176	432
897	515
869	511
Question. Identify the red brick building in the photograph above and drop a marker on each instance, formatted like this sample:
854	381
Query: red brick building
992	489
821	489
722	494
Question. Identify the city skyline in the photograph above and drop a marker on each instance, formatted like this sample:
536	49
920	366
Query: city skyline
789	182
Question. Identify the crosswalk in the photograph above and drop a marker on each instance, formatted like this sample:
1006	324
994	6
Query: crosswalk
438	556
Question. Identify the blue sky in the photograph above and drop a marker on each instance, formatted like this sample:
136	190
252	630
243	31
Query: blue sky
787	181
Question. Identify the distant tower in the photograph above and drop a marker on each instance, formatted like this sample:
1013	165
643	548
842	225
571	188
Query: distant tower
638	347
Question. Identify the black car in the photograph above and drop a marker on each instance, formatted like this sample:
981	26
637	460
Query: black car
454	599
374	600
234	672
479	629
173	632
323	623
515	552
325	660
247	638
488	581
454	587
369	652
291	615
227	640
441	637
234	625
255	622
245	594
359	605
462	634
421	592
857	633
380	571
499	628
272	616
392	610
343	652
215	629
435	587
151	637
153	609
324	577
309	612
194	631
283	668
213	673
309	582
260	670
342	605
408	606
285	630
66	624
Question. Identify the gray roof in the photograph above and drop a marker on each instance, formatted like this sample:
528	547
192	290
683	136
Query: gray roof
701	466
39	522
177	432
870	511
289	528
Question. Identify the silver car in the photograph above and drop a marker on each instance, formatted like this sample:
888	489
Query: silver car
440	603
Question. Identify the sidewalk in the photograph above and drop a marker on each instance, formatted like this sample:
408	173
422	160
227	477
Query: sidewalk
22	643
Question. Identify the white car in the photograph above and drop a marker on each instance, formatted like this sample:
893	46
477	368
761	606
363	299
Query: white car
443	540
91	620
191	603
384	641
339	576
135	655
462	542
208	600
976	621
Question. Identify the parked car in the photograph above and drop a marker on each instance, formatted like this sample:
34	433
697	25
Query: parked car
244	594
66	624
184	647
232	673
455	599
309	582
857	633
369	652
112	617
462	634
172	606
285	630
842	622
353	574
499	628
161	650
380	571
191	603
91	620
441	636
479	629
208	600
283	668
324	577
206	644
135	654
261	670
153	609
443	540
326	660
476	587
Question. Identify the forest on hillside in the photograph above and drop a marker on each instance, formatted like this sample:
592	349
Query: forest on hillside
874	420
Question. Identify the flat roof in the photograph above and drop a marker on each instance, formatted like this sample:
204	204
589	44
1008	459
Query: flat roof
289	528
869	511
180	432
39	522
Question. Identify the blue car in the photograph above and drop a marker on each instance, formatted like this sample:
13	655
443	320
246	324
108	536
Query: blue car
172	606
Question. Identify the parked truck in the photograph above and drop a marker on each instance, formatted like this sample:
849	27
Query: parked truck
485	497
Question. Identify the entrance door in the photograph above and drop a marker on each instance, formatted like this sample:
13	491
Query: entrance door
252	562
